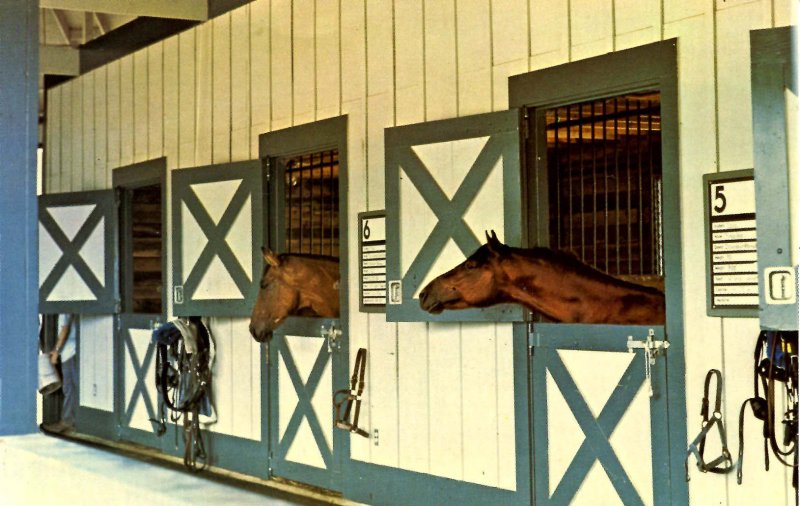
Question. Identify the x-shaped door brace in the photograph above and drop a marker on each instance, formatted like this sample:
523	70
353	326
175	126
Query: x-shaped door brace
216	245
71	253
140	389
450	213
305	392
596	445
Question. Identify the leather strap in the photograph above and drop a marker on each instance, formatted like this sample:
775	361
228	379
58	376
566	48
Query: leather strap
724	463
346	397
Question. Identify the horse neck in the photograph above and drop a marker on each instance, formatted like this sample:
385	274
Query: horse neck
317	288
560	293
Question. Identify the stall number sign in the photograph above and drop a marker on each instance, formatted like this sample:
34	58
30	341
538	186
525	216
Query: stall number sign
732	228
372	247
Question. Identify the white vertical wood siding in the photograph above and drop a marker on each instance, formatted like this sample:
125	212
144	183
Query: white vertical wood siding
96	362
205	95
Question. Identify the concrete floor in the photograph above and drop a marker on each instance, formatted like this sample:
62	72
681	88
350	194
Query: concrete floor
37	470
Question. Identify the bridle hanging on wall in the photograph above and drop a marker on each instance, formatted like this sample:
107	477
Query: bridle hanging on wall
185	358
774	359
774	363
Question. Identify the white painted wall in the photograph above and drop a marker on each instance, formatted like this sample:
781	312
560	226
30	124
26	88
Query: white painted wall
97	362
205	95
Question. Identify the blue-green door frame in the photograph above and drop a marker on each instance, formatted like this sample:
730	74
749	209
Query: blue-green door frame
648	67
308	138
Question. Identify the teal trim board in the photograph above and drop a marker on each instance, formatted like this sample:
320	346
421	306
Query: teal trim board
652	67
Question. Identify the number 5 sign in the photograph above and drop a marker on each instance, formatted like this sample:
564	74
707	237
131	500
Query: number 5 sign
733	197
731	249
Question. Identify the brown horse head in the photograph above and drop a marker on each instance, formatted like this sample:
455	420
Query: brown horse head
551	283
294	285
473	283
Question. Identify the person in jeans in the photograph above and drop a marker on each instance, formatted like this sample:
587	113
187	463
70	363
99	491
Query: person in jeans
66	349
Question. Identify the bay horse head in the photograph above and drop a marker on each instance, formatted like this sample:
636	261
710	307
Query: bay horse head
551	283
294	285
473	283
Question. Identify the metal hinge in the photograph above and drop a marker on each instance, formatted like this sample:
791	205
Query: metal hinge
534	339
526	131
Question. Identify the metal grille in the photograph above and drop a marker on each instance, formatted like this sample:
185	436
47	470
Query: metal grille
146	249
604	183
312	203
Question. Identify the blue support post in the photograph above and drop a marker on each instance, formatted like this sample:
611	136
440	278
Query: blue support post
19	59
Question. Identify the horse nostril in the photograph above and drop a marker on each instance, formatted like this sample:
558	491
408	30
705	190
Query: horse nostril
423	295
253	331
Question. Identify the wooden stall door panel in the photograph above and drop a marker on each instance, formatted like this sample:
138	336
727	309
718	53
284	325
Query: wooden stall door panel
215	198
306	352
137	389
301	382
448	182
77	252
596	375
140	367
598	431
218	217
448	165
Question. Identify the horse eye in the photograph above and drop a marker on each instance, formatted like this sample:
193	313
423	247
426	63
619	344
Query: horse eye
471	264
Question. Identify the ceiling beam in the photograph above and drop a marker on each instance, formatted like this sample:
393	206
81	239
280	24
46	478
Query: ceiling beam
59	60
196	10
63	25
102	25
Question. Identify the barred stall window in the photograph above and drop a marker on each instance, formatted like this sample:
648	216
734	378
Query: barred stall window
311	203
604	184
146	249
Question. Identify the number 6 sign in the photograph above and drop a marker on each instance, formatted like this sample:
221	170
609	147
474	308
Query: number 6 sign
372	261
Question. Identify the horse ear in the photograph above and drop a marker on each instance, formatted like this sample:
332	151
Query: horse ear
495	246
270	257
493	242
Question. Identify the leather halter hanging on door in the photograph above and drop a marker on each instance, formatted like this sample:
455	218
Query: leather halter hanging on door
345	396
724	463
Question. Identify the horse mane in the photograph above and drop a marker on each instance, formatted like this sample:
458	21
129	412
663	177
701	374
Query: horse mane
305	256
309	256
566	261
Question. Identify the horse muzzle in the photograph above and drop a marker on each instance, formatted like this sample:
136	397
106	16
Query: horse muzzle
429	302
260	332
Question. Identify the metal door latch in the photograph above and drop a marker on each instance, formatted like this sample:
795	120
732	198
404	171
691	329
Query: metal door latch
652	349
331	335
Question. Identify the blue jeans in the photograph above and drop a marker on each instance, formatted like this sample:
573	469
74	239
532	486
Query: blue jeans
69	386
